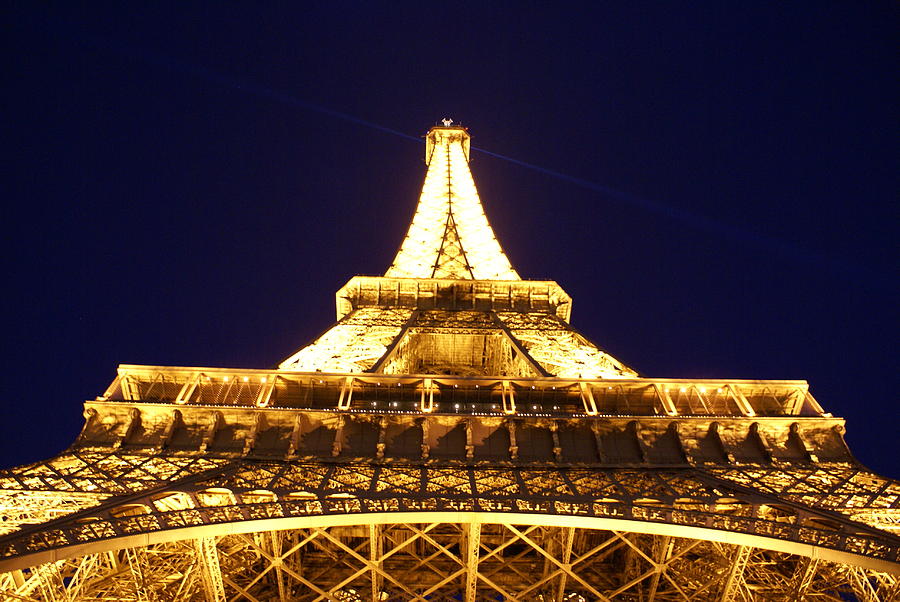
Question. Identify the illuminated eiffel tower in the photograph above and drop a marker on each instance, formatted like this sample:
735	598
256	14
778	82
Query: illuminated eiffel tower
450	437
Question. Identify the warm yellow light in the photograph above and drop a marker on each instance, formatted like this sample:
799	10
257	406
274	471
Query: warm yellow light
560	351
450	236
352	345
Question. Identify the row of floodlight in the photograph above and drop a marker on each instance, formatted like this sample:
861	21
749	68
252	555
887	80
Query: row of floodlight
456	406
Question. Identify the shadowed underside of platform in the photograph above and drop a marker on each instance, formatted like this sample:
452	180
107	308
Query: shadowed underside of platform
178	526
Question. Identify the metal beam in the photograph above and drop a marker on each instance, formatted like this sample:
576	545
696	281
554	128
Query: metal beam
735	580
276	541
325	534
210	570
519	347
803	577
136	559
392	346
375	554
473	548
663	551
565	568
86	566
740	400
587	399
508	397
242	591
569	539
41	579
277	561
663	394
862	586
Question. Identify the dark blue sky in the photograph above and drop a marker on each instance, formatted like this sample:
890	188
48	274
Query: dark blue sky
181	190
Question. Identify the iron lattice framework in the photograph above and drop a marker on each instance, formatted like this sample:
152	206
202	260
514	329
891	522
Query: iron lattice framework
450	437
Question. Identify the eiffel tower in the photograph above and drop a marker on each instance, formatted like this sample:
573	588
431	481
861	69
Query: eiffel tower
451	436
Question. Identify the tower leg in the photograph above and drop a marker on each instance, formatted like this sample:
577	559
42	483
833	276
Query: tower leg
735	580
473	546
210	571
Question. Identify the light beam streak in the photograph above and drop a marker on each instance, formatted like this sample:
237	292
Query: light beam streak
692	219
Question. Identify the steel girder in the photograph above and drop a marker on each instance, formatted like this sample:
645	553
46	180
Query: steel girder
419	561
776	510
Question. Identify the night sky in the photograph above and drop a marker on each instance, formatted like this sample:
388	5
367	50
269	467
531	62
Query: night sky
715	184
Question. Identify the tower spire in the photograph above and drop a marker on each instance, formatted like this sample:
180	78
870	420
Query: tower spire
450	236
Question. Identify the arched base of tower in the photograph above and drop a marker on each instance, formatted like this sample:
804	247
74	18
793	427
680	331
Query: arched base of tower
446	560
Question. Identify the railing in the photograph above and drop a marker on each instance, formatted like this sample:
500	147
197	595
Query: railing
454	394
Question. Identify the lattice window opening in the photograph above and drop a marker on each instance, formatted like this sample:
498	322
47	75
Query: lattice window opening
457	354
287	392
159	387
230	389
823	524
177	500
613	399
445	320
548	399
733	507
128	510
134	518
778	513
319	393
791	401
258	496
215	496
386	396
699	400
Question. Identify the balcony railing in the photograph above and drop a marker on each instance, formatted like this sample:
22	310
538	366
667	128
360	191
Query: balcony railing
456	395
